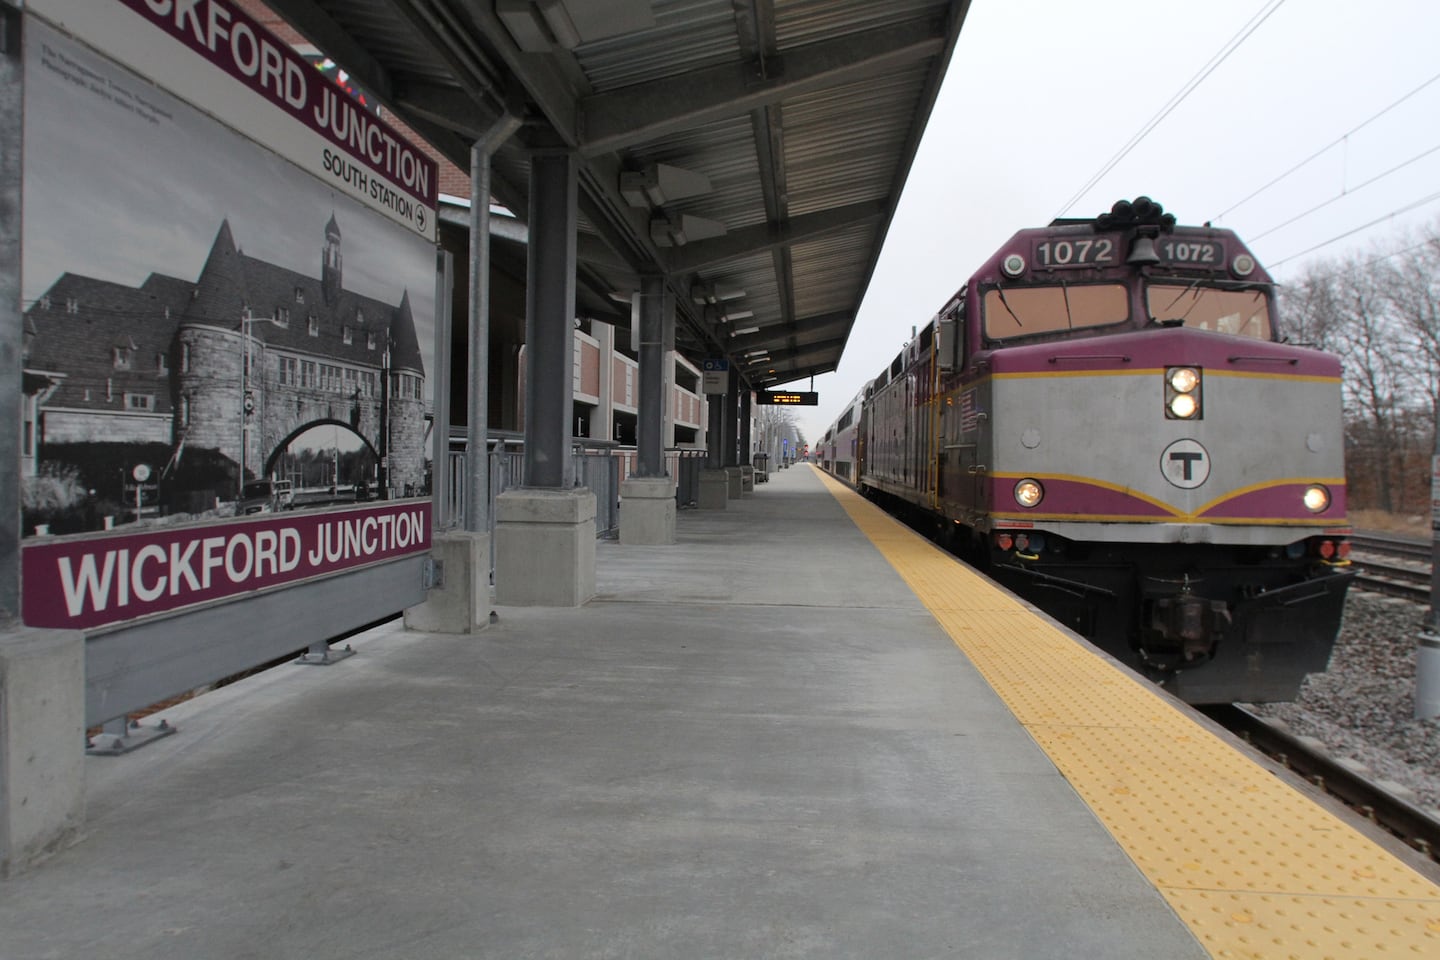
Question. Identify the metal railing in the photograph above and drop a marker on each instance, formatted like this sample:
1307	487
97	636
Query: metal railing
600	472
599	466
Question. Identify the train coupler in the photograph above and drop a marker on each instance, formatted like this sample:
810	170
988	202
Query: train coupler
1183	630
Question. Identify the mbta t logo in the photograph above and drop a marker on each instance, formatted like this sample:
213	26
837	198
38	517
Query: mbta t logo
1185	463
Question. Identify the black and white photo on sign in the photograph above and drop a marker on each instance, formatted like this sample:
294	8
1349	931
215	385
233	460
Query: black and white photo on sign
209	330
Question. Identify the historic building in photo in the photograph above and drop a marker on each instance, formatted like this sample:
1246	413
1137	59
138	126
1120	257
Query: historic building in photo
238	363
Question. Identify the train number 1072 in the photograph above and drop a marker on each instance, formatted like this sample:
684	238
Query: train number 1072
1200	252
1075	253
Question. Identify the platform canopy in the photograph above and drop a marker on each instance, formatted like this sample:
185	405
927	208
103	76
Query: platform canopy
750	151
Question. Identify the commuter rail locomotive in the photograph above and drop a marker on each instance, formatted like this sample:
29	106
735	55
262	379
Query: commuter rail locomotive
1108	421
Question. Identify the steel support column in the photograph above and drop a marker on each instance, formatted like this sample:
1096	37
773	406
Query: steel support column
477	409
12	319
545	529
732	419
441	496
745	427
549	319
648	516
657	329
715	432
459	596
477	459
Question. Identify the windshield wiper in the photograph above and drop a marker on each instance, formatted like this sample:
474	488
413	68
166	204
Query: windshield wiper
1180	320
1182	293
1006	304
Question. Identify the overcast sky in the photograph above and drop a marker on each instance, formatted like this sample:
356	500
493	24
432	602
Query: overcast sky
1042	94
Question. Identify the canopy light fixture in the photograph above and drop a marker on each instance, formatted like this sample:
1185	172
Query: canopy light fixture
676	231
714	293
660	183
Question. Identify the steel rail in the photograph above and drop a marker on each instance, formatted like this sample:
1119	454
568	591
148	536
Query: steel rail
1409	823
1393	588
1381	569
1391	546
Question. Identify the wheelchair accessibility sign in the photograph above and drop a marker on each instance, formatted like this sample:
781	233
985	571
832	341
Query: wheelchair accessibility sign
716	375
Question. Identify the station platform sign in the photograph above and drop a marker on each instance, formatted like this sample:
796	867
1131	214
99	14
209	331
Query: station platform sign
781	398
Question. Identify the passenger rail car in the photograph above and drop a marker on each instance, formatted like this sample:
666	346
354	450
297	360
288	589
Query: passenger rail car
836	450
1107	420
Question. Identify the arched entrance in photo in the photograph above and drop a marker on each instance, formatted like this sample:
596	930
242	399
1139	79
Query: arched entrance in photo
326	460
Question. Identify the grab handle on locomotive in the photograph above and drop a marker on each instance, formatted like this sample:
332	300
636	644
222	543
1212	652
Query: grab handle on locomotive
1122	357
1240	358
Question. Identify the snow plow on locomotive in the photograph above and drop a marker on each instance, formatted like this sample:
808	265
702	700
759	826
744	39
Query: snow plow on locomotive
1106	420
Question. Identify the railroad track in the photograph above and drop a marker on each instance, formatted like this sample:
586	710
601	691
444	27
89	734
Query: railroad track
1409	823
1392	580
1391	546
1379	576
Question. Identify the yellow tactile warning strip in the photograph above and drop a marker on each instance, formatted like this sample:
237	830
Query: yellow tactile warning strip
1256	870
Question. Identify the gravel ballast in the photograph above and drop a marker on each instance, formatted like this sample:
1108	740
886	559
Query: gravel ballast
1363	706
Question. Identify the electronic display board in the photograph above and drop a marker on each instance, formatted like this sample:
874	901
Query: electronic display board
781	398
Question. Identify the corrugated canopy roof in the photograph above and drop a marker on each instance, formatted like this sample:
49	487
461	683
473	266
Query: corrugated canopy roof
751	151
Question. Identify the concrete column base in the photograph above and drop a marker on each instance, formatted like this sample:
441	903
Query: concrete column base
461	603
714	489
42	744
733	487
747	479
544	547
647	510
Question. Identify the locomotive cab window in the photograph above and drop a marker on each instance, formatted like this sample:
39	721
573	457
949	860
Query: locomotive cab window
1243	313
1027	311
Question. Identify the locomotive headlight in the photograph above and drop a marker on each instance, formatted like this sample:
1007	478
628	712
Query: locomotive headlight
1182	393
1184	379
1028	493
1183	406
1316	498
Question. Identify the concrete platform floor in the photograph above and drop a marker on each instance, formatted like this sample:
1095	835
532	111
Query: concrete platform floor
754	743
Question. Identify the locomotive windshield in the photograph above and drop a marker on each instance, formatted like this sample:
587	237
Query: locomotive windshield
1243	313
1026	311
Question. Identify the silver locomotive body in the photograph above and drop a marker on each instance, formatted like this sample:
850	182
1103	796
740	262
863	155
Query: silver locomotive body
1120	436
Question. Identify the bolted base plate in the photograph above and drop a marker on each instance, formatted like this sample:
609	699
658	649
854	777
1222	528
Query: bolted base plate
134	737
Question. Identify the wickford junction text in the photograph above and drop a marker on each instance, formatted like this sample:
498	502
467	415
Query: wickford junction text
84	583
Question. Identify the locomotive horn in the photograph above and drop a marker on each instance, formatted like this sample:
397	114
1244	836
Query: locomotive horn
1143	251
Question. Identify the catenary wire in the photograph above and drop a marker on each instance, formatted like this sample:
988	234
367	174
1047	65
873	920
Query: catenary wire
1330	146
1364	226
1404	250
1344	193
1228	48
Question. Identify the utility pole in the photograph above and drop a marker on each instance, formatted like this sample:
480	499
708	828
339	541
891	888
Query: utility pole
1427	650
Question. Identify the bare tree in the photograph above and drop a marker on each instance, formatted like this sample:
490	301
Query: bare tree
777	432
1411	280
1381	312
1370	342
1309	313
